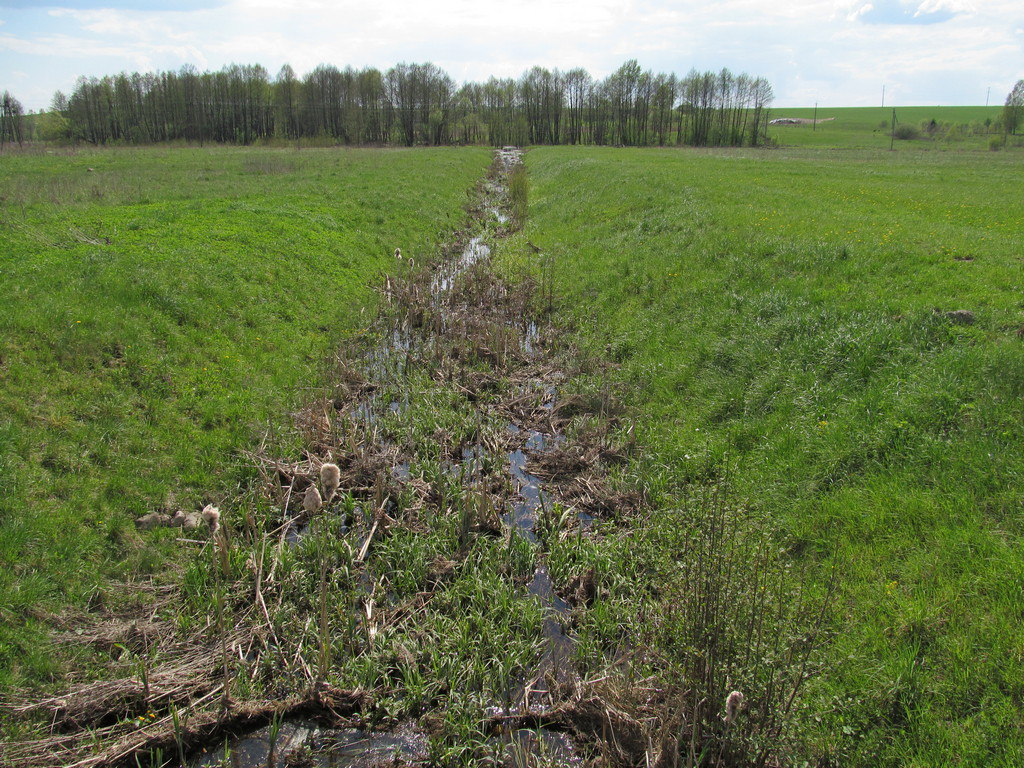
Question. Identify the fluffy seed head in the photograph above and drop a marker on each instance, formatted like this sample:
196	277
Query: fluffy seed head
312	501
211	515
398	253
330	479
733	705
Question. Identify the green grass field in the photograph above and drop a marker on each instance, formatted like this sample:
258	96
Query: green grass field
161	310
782	318
831	331
870	127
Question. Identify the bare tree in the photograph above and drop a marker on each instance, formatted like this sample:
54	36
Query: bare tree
541	93
662	103
578	85
12	124
763	95
375	122
286	102
1013	111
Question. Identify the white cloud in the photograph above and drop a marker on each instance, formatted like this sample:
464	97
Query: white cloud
856	14
134	56
139	27
948	6
838	52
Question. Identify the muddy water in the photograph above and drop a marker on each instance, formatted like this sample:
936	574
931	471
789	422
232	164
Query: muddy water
306	743
558	653
537	745
475	252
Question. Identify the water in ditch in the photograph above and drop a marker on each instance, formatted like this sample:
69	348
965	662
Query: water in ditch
519	746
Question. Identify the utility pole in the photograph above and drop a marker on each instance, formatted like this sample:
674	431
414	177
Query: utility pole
814	123
989	93
883	97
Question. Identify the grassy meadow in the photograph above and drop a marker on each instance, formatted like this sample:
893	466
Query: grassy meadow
870	127
809	360
791	320
162	309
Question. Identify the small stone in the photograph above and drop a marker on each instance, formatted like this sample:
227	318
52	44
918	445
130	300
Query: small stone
187	520
152	520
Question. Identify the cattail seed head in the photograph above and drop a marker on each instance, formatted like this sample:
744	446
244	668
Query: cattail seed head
733	705
211	515
312	501
330	479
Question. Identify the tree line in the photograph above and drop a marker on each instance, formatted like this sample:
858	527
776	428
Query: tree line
413	104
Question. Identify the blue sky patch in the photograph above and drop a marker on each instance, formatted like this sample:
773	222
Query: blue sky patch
120	5
895	12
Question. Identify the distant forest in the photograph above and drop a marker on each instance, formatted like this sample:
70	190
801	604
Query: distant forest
413	104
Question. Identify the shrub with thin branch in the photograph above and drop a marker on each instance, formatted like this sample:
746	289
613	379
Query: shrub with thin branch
740	628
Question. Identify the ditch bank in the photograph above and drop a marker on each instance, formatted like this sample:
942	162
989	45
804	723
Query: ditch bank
383	594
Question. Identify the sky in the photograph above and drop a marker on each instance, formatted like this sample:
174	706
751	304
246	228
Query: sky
834	53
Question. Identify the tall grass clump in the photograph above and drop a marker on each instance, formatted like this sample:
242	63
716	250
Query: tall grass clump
741	633
518	192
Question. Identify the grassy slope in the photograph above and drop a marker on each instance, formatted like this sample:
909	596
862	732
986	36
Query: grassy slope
782	314
869	127
158	309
